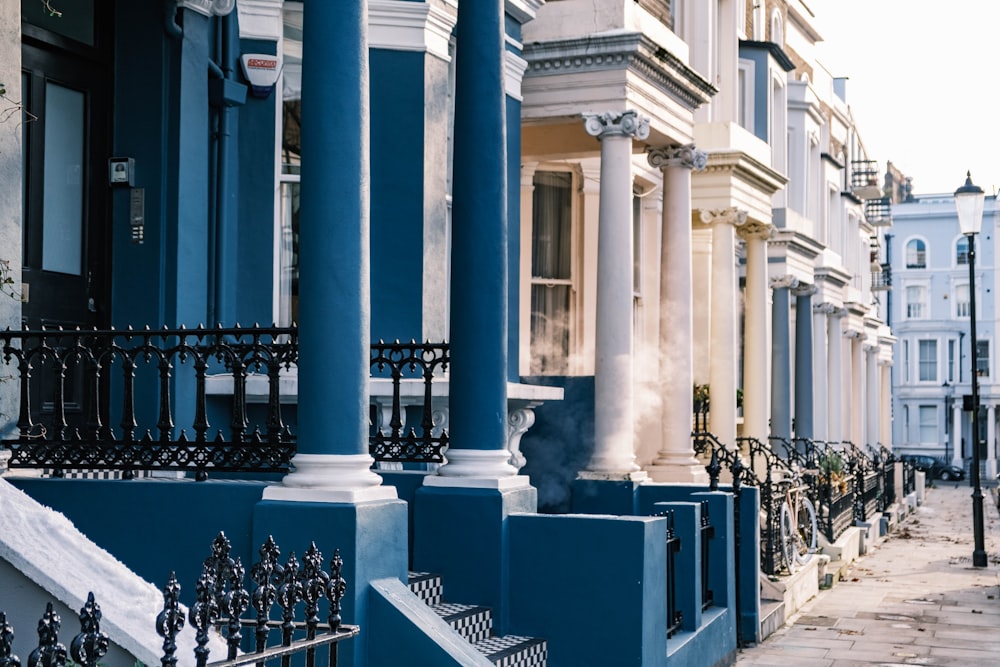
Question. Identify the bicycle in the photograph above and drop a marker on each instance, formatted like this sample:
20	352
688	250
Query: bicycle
797	523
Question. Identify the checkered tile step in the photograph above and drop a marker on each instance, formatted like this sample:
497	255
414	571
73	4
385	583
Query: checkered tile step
472	622
514	651
476	625
426	586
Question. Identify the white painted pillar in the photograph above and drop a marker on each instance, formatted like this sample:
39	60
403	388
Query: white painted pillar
524	277
991	441
675	460
885	419
821	371
755	343
835	375
956	433
614	451
872	403
722	368
857	390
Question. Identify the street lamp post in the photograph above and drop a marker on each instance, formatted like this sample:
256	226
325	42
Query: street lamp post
969	200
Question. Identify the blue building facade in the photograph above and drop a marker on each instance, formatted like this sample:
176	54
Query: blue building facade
931	315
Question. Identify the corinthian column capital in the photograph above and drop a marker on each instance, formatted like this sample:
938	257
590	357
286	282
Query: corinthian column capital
755	230
686	156
208	7
784	282
627	123
723	216
804	289
825	308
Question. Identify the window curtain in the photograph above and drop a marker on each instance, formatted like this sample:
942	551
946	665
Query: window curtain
551	272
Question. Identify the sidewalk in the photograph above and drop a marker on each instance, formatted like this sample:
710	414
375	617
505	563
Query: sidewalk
914	599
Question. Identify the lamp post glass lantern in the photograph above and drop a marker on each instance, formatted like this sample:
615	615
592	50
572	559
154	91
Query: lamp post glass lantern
969	201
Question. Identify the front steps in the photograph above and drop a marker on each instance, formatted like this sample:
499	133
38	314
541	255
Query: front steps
476	625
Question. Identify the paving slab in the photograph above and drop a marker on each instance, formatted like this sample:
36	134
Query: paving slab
913	599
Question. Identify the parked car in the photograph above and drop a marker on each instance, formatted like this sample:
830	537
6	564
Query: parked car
934	468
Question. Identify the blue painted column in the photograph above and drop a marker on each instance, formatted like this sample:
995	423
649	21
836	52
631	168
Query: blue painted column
478	384
804	362
332	462
332	497
781	412
460	515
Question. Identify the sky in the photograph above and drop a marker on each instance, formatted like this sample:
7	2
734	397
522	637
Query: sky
922	84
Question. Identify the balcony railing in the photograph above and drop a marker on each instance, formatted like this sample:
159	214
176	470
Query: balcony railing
878	212
865	179
138	401
882	278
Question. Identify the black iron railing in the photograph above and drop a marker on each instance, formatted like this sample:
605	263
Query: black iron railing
674	615
86	649
139	400
707	533
221	602
110	400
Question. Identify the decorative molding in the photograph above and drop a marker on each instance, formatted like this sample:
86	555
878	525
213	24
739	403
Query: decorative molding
208	7
518	423
523	11
260	19
723	216
686	156
612	123
616	51
804	289
410	26
514	67
784	282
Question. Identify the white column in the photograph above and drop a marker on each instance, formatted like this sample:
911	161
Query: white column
614	451
835	374
872	381
956	433
722	369
991	437
857	390
885	417
524	278
675	460
821	370
755	343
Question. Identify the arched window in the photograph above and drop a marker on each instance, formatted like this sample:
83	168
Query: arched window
916	254
962	250
777	28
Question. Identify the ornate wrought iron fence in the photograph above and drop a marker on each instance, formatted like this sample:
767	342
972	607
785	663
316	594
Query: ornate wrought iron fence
86	649
132	401
74	384
221	601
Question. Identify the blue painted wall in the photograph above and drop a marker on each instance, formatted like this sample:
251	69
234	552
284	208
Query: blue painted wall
397	195
592	586
561	442
761	88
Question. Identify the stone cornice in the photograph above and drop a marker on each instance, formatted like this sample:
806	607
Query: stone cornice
208	7
260	19
747	169
631	51
523	11
409	26
776	52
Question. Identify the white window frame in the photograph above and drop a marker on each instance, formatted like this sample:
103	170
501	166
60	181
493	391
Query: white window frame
961	301
921	256
927	424
932	362
746	76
